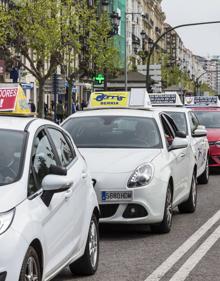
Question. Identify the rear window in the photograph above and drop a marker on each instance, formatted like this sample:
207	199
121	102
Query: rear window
11	155
180	120
114	132
210	119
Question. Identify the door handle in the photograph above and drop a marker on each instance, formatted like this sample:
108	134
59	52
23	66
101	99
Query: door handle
68	193
182	155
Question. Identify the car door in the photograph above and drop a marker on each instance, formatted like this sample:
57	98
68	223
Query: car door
57	220
198	144
178	160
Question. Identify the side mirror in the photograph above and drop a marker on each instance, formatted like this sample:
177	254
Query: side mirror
178	143
52	184
181	134
200	132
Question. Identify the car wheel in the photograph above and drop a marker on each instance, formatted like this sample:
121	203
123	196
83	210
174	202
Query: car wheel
190	205
31	266
165	225
204	178
88	263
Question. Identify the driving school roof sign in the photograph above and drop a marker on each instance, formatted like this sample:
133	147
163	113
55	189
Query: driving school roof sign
171	99
8	95
13	99
109	99
202	100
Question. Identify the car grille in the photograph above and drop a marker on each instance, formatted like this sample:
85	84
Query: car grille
108	210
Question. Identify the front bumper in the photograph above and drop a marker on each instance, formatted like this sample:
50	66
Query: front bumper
147	205
12	252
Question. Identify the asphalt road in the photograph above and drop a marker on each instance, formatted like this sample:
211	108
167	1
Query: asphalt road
190	252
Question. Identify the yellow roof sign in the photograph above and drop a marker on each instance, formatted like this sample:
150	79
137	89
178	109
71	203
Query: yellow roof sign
13	100
109	99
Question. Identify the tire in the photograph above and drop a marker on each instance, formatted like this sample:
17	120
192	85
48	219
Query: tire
190	205
88	263
204	178
165	225
31	266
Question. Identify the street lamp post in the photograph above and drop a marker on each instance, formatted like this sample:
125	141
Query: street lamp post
197	83
160	37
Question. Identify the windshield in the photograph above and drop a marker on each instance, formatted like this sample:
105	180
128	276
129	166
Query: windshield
210	119
180	120
11	152
114	132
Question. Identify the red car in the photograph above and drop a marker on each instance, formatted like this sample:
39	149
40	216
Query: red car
210	117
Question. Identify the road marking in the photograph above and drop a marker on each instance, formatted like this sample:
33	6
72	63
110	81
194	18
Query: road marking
160	271
194	259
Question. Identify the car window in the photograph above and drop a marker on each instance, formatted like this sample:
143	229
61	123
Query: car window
168	133
64	149
42	158
11	155
210	119
194	123
114	132
180	120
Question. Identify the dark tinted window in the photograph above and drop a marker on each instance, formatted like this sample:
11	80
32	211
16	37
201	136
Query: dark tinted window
114	132
180	120
63	148
11	154
42	158
210	119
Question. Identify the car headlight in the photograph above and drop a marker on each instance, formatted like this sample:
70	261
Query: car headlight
142	175
6	220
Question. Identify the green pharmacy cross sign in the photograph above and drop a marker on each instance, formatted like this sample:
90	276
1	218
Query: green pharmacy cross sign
99	78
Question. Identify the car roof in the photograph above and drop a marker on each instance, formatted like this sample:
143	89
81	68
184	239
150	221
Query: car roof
14	123
116	112
205	108
20	123
172	109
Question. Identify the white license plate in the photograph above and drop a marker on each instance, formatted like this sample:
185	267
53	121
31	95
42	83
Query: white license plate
108	196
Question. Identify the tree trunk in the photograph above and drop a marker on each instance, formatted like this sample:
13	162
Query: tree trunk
41	99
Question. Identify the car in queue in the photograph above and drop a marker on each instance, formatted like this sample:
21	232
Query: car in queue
48	207
187	123
140	169
207	110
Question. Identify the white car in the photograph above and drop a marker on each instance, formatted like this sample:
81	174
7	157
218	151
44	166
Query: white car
48	207
196	134
141	171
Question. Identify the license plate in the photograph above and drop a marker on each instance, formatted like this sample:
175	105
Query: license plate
108	196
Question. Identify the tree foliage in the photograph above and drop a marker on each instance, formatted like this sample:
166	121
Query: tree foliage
56	33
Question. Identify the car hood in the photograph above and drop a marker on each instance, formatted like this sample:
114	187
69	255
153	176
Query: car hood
10	196
213	134
117	160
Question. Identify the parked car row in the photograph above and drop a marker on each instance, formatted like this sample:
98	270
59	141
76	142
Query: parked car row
144	161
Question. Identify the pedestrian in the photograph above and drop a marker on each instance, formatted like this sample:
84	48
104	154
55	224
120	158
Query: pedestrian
83	104
73	107
32	105
59	112
45	109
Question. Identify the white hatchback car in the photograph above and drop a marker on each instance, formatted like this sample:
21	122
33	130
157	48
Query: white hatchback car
187	122
141	171
48	207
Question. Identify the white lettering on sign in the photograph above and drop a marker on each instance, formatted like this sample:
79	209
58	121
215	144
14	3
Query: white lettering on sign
7	93
1	103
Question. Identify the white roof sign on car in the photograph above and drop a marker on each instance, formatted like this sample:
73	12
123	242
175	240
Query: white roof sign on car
165	99
136	98
202	101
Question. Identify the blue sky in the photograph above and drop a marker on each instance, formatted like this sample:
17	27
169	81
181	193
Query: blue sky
202	40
